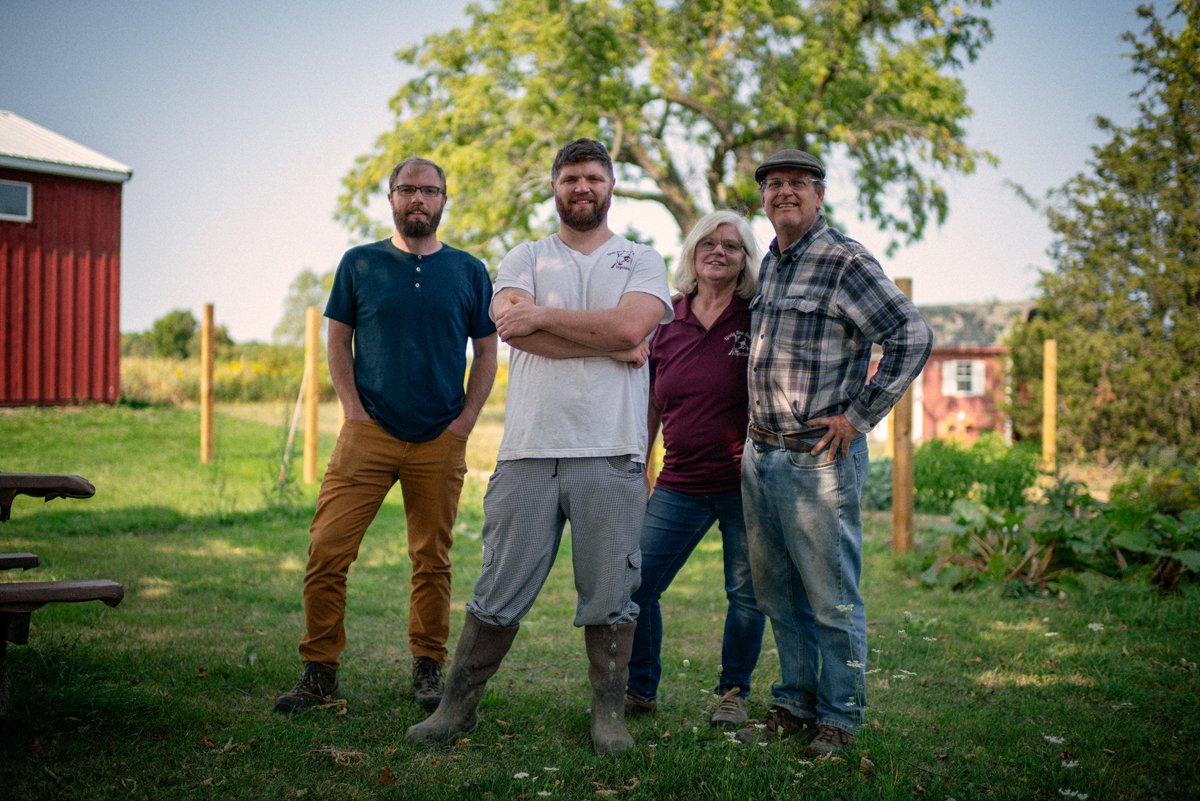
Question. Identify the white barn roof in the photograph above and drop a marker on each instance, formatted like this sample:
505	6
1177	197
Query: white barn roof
25	145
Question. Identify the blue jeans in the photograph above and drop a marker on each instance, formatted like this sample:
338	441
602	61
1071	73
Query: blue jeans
804	525
674	524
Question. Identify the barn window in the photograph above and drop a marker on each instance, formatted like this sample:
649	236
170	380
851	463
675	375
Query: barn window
16	201
964	378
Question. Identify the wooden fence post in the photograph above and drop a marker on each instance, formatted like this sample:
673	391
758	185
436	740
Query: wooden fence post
902	460
207	393
1049	405
312	361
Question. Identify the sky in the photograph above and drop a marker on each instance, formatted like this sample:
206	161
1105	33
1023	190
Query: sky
239	119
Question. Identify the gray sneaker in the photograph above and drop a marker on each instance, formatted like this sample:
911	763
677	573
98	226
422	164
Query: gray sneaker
318	685
427	682
731	709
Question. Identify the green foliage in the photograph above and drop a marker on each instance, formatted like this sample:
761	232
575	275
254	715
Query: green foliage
171	335
1150	529
1124	301
307	289
877	490
995	474
689	97
241	373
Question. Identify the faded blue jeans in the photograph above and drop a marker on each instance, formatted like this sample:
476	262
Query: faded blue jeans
674	525
804	525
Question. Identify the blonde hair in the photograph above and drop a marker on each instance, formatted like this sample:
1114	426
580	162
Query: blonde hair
685	276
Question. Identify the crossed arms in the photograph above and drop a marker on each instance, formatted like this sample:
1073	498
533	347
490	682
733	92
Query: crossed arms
618	333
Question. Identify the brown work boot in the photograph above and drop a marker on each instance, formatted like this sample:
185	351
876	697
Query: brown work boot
639	706
608	649
480	650
829	741
731	710
318	685
775	725
427	682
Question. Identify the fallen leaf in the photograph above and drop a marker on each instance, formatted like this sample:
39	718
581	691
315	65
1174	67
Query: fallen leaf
207	742
866	767
387	777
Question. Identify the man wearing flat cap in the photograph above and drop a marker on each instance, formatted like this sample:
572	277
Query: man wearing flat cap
823	300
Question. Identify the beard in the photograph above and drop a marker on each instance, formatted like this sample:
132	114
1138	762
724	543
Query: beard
587	219
415	228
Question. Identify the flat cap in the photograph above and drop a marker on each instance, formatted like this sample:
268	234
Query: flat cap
794	159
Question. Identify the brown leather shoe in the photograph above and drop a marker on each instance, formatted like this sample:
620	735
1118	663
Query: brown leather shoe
775	725
427	682
318	685
829	740
639	706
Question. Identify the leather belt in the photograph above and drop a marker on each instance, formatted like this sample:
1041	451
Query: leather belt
791	440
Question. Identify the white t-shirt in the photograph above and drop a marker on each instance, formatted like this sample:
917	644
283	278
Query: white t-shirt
596	406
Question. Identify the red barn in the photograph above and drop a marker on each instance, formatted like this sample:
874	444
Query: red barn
60	268
962	391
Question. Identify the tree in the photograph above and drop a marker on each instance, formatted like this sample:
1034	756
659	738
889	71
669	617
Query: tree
1124	301
307	289
172	334
689	96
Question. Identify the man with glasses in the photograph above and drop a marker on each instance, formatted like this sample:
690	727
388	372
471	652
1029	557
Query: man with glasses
400	315
576	308
823	300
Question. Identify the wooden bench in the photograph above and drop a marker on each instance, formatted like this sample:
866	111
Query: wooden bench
20	599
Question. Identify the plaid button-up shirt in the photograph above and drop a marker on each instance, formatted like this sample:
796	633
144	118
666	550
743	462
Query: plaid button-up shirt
820	306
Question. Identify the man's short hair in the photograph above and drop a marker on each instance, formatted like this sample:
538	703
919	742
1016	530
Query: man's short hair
416	161
579	151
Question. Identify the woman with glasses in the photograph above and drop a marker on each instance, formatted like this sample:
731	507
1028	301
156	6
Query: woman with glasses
698	396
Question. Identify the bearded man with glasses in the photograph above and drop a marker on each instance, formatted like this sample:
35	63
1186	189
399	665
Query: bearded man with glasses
400	315
822	301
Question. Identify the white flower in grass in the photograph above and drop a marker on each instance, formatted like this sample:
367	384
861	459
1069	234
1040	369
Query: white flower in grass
550	769
762	744
1050	738
1051	633
851	701
854	664
521	775
544	793
687	663
1074	763
845	609
1068	793
1096	626
929	639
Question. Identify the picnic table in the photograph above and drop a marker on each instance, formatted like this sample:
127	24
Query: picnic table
20	599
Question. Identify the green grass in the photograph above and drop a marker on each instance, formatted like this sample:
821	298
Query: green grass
169	695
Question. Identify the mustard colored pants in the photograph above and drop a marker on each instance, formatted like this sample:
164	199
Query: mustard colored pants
366	462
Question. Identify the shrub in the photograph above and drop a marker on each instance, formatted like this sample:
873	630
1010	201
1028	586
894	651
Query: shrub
997	475
1068	532
877	490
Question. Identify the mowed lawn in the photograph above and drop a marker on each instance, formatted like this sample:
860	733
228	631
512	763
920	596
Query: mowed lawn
1089	692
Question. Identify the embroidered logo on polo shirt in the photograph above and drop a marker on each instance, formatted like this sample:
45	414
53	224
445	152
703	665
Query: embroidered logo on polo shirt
623	260
741	343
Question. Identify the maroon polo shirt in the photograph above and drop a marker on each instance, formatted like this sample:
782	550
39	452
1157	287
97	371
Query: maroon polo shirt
698	384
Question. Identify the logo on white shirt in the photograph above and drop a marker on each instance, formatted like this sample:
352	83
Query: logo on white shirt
623	260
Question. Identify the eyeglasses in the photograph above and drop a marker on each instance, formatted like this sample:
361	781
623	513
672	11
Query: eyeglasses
730	245
775	184
408	190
